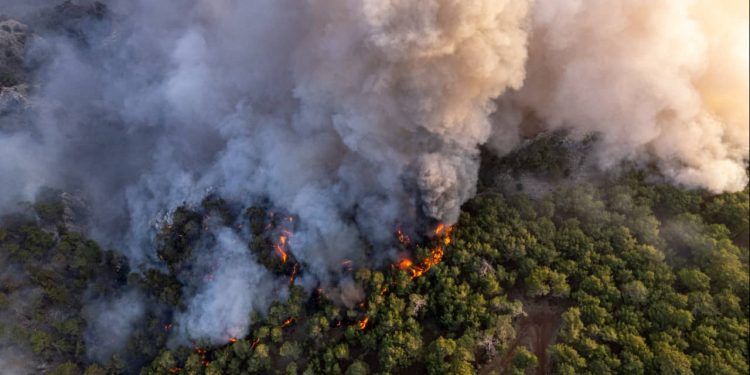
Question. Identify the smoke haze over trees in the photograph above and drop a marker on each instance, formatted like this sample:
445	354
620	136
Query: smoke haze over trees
241	156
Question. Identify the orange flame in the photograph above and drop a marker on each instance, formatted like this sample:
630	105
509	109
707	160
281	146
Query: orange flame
405	263
363	323
287	322
202	354
232	340
279	247
435	256
295	269
443	234
402	237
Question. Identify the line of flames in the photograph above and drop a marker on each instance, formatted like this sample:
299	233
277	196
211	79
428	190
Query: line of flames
295	269
435	256
281	246
443	234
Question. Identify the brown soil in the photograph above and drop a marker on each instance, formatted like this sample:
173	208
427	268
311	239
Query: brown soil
536	330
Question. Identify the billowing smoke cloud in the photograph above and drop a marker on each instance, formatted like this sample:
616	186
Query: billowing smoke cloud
661	81
354	116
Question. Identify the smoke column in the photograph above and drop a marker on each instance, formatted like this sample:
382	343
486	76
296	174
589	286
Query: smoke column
354	116
663	82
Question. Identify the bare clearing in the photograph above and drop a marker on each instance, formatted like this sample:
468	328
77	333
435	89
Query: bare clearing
536	329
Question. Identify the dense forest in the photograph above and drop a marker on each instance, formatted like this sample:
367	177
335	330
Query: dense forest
624	275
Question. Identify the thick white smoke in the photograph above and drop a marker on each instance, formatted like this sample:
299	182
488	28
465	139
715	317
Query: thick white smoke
353	115
221	308
662	81
361	108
